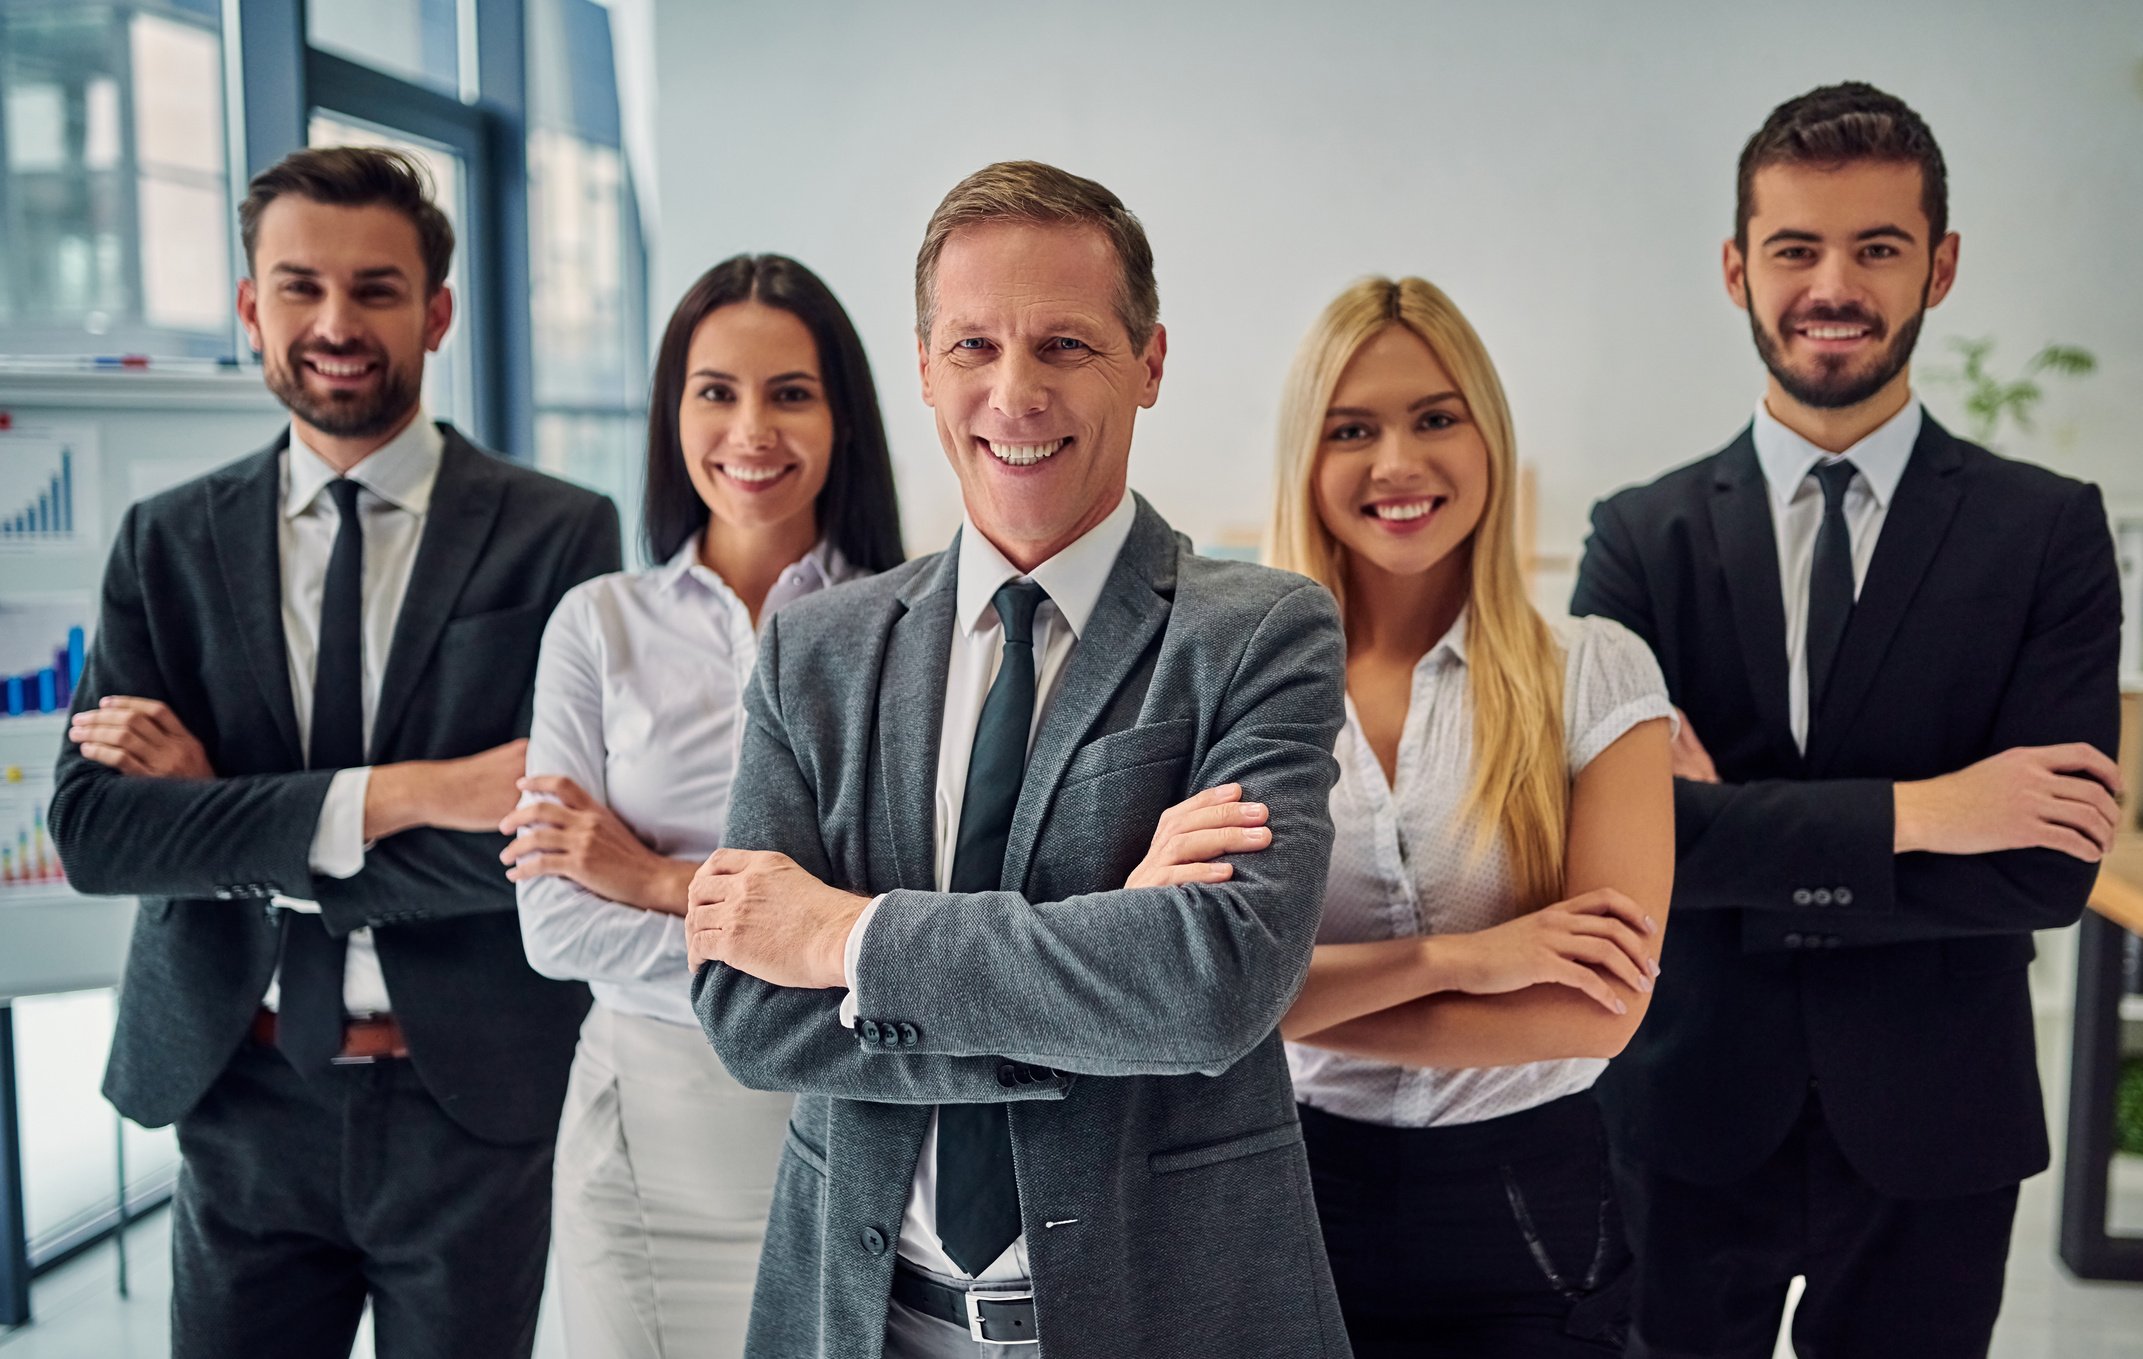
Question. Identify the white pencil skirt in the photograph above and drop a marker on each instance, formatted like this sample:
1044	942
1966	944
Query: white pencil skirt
664	1176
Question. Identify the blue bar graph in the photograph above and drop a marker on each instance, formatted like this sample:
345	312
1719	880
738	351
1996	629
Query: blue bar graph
49	688
51	514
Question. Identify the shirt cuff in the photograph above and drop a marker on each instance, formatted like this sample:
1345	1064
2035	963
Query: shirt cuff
851	953
338	849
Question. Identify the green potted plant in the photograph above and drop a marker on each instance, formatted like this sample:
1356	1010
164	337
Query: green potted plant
1990	402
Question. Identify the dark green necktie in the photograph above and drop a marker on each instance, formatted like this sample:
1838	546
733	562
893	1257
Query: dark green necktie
977	1196
1830	581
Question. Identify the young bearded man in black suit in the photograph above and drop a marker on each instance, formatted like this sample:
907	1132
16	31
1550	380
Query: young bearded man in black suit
1894	653
296	735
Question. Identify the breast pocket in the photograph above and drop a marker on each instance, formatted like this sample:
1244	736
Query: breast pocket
1113	794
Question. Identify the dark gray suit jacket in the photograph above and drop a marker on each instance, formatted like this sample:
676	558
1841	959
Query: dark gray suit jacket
192	615
1162	1179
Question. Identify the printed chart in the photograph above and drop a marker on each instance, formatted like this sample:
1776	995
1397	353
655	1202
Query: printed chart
43	639
48	489
28	861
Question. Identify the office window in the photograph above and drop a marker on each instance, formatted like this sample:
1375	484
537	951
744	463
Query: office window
418	40
116	207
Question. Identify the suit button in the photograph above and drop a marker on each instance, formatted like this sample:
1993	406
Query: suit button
1843	896
888	1035
908	1036
1005	1075
870	1030
1822	896
874	1240
1793	941
1832	941
223	894
1802	896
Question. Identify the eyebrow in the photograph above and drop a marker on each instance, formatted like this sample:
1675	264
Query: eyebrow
1887	231
307	271
1424	403
790	376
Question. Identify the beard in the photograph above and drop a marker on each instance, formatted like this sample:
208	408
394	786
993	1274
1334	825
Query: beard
1835	384
345	415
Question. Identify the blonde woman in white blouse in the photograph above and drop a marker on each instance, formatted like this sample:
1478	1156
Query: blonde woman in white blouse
1499	884
767	478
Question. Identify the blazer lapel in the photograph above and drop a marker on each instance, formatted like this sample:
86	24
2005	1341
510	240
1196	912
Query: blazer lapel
911	719
1134	605
1912	532
465	501
243	510
1747	543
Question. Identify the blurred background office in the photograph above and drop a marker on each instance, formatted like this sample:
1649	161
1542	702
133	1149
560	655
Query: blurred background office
1563	168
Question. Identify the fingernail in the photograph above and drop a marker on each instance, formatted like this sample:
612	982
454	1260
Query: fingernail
1620	1008
1652	963
1651	926
1644	983
1259	834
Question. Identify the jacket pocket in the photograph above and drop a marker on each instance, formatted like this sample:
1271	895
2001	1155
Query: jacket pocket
1131	748
803	1151
1230	1149
1987	954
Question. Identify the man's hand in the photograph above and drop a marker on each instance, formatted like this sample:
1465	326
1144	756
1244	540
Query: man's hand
139	736
1193	835
473	793
1691	761
2028	797
574	836
759	913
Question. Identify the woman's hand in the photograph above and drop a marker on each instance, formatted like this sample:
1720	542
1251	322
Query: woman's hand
1197	831
1578	943
579	838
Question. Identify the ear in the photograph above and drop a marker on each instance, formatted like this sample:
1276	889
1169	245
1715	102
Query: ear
1156	354
249	312
922	368
1942	272
1734	271
438	315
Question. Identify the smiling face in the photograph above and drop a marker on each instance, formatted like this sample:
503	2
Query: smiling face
339	309
1836	276
754	422
1402	474
1034	381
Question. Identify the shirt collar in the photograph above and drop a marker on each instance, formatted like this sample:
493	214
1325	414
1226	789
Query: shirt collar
1880	456
1453	642
401	471
823	565
1073	578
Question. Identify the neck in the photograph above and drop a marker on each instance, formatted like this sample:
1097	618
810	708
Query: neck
1403	616
341	453
1834	431
751	560
1028	553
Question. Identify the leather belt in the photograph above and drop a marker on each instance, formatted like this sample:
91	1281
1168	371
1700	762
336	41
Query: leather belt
993	1316
365	1038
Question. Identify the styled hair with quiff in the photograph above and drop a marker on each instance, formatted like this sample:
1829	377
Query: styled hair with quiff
355	177
1837	125
1042	195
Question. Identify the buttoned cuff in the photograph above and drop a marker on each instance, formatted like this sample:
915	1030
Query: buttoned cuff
851	954
338	849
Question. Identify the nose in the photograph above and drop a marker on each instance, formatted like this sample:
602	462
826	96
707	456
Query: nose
1831	282
753	428
335	320
1021	386
1396	461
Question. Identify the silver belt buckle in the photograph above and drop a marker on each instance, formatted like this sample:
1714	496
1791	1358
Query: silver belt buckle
977	1297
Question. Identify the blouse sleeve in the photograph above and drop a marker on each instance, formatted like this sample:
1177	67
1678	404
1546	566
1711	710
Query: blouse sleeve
1611	684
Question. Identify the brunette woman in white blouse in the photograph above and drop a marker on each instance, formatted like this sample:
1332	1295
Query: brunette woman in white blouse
767	478
1499	882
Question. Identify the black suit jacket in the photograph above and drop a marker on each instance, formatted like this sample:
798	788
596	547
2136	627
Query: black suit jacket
1803	948
192	615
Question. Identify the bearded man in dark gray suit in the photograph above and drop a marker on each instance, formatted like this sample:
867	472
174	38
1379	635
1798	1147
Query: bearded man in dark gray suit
1042	1097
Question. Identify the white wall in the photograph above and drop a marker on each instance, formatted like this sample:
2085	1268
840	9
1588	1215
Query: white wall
1564	169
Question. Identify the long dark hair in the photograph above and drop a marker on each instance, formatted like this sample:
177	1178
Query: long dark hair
858	510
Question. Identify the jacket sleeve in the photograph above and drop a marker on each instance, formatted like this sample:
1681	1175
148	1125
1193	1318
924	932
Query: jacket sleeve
243	837
786	1038
1146	981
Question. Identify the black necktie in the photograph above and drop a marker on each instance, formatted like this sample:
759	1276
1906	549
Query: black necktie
978	1198
1830	581
308	1028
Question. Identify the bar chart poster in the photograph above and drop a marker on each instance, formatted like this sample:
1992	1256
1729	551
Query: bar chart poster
43	642
29	865
49	475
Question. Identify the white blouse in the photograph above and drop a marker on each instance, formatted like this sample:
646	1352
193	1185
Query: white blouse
640	700
1403	863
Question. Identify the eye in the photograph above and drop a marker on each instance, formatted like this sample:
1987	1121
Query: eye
1066	344
1795	253
795	396
717	391
1351	432
1437	419
1880	251
972	344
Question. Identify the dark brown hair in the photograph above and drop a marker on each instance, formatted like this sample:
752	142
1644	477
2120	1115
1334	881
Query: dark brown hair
1838	124
355	177
1042	195
858	510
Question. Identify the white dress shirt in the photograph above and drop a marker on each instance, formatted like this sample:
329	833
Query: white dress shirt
397	479
1073	580
1789	464
640	701
1403	863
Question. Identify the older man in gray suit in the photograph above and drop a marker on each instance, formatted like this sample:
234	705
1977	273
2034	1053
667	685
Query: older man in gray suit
1042	1097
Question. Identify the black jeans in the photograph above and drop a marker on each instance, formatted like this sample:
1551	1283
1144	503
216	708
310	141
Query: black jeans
1491	1240
297	1200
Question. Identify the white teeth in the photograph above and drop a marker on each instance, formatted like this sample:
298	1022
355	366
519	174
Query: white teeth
1834	332
1024	455
753	474
1412	509
341	369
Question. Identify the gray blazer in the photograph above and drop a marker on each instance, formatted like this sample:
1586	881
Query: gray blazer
1162	1179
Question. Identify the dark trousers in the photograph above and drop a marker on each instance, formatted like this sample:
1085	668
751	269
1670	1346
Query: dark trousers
1491	1240
1886	1277
298	1200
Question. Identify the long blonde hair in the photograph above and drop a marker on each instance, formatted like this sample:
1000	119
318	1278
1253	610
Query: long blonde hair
1520	782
